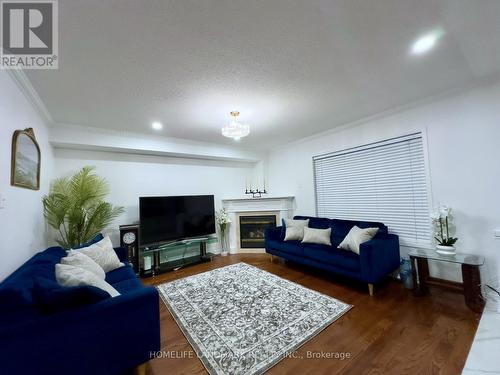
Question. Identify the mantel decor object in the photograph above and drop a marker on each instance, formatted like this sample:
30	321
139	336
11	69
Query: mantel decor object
26	160
256	193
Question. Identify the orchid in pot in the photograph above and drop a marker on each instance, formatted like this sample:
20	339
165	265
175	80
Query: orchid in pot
442	220
223	222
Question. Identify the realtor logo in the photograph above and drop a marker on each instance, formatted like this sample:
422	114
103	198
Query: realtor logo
29	35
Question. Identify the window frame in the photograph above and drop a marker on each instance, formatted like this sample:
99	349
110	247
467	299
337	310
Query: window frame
393	139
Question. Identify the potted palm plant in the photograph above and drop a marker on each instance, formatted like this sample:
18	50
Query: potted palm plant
442	220
76	209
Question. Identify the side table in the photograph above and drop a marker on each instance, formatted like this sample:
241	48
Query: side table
470	287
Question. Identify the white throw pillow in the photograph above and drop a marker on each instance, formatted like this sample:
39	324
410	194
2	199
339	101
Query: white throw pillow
295	229
103	254
319	236
67	275
294	233
356	237
296	223
79	259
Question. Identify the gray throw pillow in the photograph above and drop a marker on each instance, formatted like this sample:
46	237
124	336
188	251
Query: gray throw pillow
318	236
295	229
356	237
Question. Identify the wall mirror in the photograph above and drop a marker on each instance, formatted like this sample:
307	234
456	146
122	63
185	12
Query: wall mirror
25	168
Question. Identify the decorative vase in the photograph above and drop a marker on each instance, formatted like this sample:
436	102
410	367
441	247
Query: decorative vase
224	246
445	250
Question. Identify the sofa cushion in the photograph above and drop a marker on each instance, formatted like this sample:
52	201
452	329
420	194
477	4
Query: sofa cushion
340	228
327	254
382	229
98	237
17	289
292	247
126	286
51	297
103	254
356	237
75	276
79	259
317	236
316	222
120	274
13	315
296	223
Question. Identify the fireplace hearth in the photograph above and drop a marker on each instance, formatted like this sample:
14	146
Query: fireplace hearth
252	230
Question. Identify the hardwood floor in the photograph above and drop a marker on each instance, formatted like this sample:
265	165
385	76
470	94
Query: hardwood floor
392	332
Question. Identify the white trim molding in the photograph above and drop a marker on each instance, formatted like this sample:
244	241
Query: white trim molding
24	84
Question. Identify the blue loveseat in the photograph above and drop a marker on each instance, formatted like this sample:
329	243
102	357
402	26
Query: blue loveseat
378	257
110	336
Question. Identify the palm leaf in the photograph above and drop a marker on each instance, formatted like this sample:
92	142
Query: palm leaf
75	207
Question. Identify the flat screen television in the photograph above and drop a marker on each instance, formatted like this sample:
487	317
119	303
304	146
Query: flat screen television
164	219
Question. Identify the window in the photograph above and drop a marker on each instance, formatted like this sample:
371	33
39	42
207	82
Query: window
384	181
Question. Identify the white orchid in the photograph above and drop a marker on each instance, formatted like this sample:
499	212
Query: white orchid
445	211
441	218
222	218
435	215
441	212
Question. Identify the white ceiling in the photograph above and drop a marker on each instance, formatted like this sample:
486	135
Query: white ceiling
292	68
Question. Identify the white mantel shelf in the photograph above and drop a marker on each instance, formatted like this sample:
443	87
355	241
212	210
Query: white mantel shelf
282	207
257	199
258	204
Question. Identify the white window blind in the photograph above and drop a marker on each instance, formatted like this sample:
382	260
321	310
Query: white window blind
384	181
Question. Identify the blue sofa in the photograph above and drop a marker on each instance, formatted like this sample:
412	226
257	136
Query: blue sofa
91	334
378	257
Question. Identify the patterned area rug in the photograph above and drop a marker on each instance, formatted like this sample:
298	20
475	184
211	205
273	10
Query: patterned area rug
241	320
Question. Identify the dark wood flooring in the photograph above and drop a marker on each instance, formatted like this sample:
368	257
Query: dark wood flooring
392	332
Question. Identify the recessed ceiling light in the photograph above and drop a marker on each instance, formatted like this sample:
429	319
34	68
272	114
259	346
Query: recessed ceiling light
426	42
157	125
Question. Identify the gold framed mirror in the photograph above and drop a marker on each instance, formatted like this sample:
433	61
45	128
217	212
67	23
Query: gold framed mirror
26	160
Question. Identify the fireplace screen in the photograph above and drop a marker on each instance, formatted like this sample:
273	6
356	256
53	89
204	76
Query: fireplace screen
252	230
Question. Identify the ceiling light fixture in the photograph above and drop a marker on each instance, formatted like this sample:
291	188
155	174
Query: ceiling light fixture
426	42
156	125
235	129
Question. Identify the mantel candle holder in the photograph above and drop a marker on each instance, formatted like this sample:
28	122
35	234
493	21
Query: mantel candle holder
255	193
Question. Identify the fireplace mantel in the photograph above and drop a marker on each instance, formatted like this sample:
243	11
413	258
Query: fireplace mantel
282	207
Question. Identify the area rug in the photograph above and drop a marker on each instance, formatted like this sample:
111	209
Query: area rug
241	320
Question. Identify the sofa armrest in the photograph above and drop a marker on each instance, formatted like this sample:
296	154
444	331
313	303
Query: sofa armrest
379	257
114	336
273	234
122	254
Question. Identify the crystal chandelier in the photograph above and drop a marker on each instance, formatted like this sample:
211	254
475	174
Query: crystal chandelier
235	129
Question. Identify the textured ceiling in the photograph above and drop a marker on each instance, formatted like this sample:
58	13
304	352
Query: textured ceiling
292	68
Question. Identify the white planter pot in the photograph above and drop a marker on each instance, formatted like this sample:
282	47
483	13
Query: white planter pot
445	250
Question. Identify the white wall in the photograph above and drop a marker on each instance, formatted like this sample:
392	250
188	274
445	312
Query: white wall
131	176
22	228
463	134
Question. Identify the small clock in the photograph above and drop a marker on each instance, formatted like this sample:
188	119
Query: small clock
129	238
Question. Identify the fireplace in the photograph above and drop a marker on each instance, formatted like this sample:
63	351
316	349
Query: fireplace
252	230
279	207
